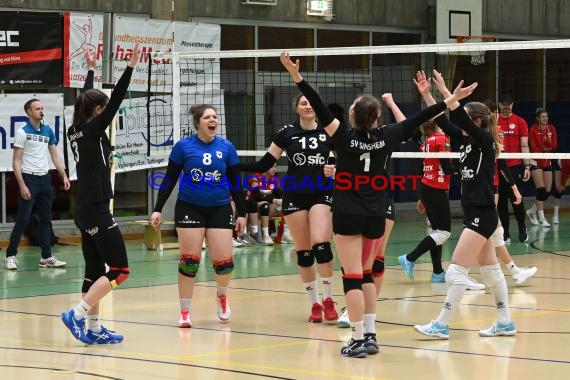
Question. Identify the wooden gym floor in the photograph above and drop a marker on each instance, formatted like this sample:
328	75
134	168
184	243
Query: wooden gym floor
268	335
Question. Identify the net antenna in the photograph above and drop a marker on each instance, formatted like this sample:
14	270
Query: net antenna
477	56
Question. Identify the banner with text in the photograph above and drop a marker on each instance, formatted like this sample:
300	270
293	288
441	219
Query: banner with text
132	136
81	32
13	117
30	49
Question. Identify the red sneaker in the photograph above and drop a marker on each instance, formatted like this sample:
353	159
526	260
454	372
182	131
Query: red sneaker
329	310
316	313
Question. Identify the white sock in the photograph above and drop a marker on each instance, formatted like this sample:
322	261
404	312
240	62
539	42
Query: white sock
540	215
533	208
94	323
370	323
185	303
286	229
556	209
222	291
81	310
501	293
513	267
311	288
357	330
327	283
453	298
254	229
265	231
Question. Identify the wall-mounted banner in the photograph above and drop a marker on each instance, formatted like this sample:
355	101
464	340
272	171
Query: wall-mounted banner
81	32
12	117
132	139
30	49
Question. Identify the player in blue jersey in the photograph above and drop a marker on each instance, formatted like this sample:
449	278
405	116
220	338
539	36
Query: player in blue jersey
206	167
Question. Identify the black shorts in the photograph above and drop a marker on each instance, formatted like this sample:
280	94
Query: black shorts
293	202
555	164
371	227
188	215
101	239
436	203
390	210
481	219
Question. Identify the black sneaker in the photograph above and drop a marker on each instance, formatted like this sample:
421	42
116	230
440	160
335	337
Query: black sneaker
371	344
354	349
523	236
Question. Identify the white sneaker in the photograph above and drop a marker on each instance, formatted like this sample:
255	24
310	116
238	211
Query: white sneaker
224	311
544	223
236	243
184	320
524	274
343	320
474	285
267	240
51	262
286	238
11	263
555	219
531	213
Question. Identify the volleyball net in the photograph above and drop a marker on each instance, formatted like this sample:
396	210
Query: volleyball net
253	94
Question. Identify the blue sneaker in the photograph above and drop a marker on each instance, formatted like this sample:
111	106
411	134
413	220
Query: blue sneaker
354	349
75	326
407	266
498	329
105	336
438	277
371	344
433	329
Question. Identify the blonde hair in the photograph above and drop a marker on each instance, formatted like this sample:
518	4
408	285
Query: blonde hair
477	110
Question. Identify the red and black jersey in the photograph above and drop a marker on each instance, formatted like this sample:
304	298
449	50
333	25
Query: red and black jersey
542	140
433	175
511	129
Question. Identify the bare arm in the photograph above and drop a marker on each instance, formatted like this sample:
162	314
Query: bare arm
331	124
389	100
59	166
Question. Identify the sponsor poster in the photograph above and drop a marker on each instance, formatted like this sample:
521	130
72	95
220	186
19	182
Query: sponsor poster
31	49
82	32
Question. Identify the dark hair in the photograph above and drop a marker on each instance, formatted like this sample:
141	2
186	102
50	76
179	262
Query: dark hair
540	110
477	110
85	104
491	104
366	111
296	100
28	104
197	110
506	99
428	128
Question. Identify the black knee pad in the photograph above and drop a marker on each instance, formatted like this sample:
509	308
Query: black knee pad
378	267
367	278
558	195
541	194
323	253
305	258
223	267
351	283
251	206
86	285
264	209
117	276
